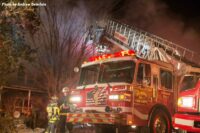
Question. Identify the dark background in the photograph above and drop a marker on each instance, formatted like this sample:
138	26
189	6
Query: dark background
175	20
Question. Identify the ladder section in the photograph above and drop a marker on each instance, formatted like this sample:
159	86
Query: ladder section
149	46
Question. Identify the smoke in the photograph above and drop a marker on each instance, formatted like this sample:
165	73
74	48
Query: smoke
156	17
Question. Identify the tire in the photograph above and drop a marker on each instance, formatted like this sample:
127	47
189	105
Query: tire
160	122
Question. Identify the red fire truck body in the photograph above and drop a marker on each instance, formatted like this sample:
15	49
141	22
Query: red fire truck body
187	116
122	89
126	90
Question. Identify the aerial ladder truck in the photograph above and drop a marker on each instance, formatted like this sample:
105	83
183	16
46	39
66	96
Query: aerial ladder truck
132	89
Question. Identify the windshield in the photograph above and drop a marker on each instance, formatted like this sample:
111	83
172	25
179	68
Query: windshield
89	74
189	82
122	71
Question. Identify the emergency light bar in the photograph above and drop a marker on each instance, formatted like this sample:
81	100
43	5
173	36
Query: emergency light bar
117	54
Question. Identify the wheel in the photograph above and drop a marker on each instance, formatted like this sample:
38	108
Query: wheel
160	122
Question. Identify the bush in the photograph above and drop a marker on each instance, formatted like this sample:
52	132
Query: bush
7	124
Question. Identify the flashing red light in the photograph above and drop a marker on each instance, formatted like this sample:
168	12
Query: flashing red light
124	53
117	54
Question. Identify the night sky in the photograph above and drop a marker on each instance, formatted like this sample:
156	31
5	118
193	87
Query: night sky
175	20
187	9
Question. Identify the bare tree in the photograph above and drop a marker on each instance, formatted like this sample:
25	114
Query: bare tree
61	38
60	44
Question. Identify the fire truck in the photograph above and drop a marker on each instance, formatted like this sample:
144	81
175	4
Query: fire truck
135	88
187	118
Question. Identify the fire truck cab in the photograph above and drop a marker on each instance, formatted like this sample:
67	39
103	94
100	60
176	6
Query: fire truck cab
123	90
187	117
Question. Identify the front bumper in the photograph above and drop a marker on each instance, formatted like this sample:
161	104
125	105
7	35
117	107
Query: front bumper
99	118
187	122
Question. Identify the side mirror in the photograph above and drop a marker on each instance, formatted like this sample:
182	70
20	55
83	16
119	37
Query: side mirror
76	69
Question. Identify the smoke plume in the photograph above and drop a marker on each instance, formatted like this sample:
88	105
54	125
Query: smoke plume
156	17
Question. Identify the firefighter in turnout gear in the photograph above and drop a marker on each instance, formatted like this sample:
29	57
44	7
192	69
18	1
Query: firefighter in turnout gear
64	105
53	115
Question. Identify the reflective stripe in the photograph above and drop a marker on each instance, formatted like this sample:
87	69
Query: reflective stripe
184	122
63	114
94	115
95	118
53	113
89	120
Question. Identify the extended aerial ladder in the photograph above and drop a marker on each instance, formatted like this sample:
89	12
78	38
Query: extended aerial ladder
149	46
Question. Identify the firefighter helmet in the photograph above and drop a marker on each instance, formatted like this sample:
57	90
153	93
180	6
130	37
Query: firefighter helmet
65	89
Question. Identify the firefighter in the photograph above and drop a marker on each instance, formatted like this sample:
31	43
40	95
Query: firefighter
53	115
64	105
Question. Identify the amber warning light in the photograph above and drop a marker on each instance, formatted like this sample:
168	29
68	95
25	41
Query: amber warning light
107	56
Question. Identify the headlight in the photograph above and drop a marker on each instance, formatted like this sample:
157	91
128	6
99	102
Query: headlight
114	97
186	102
75	99
121	97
